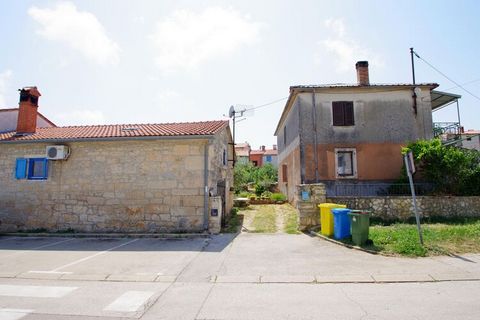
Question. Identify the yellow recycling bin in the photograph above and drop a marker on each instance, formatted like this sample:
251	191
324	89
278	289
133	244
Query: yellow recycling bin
326	217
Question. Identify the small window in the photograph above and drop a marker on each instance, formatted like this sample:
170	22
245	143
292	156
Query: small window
284	173
345	163
342	112
268	158
285	135
37	169
224	157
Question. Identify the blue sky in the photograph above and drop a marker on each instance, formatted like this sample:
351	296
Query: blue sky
106	62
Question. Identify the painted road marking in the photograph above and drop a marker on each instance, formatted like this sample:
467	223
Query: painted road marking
130	301
38	248
86	258
35	291
13	314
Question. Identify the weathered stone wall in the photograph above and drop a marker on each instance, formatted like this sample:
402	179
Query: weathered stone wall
110	186
401	208
307	199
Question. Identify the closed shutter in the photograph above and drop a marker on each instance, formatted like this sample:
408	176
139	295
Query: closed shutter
348	110
338	114
21	168
284	173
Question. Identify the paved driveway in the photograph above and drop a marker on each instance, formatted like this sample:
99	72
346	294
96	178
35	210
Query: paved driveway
214	278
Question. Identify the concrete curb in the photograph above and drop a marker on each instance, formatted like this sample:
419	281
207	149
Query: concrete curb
313	233
109	235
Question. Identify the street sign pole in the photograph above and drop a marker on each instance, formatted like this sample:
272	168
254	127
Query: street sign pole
410	170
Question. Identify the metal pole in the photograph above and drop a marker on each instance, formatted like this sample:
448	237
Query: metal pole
413	65
412	188
458	114
234	114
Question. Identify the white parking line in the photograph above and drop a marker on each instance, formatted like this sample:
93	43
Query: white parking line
13	314
34	291
130	301
38	248
92	256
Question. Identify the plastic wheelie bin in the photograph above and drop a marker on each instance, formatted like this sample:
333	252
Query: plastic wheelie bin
326	217
360	221
341	223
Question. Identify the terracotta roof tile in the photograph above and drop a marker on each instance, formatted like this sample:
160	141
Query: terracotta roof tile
120	131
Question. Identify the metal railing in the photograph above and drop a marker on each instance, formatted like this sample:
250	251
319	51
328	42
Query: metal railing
378	189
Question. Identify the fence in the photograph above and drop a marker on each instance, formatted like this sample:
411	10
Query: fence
377	189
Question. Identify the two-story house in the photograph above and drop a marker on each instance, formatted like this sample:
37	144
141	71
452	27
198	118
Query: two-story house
349	133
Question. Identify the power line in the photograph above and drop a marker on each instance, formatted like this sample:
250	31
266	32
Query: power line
267	104
443	74
463	84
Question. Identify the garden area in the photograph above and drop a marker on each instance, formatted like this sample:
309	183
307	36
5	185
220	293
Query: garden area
257	184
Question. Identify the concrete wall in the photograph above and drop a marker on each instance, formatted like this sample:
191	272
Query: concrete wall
401	208
381	115
113	186
291	159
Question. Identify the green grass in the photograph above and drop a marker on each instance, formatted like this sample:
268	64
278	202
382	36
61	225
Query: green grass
291	222
264	221
439	239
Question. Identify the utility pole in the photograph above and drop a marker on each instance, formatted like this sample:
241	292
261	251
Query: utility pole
413	65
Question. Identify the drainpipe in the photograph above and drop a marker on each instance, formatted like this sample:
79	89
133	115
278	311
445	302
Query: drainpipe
205	182
315	152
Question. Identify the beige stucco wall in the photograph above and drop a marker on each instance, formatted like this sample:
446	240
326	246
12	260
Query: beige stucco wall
111	186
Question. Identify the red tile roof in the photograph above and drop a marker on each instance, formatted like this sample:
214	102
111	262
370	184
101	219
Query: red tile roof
120	131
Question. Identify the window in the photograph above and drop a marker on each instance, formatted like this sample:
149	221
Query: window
346	163
342	112
31	168
268	158
284	173
224	157
285	135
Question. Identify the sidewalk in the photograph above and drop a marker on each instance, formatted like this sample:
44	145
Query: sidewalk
280	258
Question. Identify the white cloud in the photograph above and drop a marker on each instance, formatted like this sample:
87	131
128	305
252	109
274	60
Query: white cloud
346	51
186	39
4	86
81	117
78	29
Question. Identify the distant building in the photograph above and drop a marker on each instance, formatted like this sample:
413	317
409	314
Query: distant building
263	156
471	139
242	152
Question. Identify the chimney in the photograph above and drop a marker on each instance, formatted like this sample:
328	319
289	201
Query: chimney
362	73
274	147
27	111
262	148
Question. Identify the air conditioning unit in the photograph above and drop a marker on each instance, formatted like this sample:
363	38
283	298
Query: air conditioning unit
57	152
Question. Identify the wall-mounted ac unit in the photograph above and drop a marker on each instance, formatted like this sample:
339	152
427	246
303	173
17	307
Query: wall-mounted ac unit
57	152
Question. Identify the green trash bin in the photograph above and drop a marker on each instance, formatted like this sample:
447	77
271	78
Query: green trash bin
360	222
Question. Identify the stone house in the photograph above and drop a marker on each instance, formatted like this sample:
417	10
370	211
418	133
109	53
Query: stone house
349	133
173	177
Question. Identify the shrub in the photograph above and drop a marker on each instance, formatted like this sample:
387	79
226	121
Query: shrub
278	197
452	170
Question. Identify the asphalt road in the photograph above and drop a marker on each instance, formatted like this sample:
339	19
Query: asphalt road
249	276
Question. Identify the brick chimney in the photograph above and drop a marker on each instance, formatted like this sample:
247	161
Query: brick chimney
362	73
262	148
274	147
27	111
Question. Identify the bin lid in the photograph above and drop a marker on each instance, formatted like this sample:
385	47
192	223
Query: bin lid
331	205
359	212
340	211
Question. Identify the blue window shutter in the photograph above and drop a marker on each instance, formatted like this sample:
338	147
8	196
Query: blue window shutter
21	168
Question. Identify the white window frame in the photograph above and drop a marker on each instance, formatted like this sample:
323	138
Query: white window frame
354	163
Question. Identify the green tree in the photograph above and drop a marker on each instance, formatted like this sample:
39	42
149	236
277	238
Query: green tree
453	170
261	177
